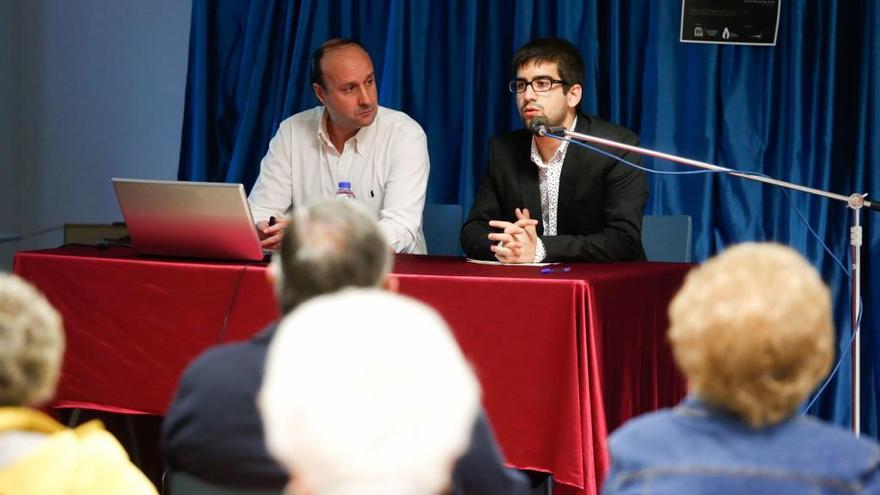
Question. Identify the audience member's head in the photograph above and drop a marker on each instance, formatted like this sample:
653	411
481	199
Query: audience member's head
751	329
31	344
366	392
329	246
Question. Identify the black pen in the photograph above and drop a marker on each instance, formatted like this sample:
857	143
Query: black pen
272	221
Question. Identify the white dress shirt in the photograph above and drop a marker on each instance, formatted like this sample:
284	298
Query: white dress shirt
386	162
548	183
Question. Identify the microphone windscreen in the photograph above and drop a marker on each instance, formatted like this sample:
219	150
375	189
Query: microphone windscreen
539	126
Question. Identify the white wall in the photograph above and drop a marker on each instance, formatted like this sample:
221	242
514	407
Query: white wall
100	93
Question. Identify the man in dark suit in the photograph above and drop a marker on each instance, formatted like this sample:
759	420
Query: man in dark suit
542	199
213	430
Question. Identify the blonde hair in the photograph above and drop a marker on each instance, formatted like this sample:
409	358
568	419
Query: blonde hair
31	344
751	329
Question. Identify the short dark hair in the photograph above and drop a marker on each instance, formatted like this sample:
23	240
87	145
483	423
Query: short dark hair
317	77
329	246
557	50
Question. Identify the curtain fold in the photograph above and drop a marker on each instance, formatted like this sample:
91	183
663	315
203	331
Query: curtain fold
805	110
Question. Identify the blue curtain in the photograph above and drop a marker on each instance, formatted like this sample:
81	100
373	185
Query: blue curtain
805	110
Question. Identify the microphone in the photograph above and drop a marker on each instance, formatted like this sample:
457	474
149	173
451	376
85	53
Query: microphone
540	127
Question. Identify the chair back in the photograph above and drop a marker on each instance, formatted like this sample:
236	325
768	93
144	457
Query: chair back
442	227
667	237
182	483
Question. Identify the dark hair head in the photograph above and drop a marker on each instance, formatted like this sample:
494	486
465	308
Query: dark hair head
327	247
557	50
317	77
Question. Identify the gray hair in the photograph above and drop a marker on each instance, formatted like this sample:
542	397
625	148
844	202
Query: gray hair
366	392
329	246
31	344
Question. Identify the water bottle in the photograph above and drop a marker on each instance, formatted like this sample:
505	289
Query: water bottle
344	192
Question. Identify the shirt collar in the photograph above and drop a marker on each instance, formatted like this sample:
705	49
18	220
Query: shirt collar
25	419
695	406
361	138
557	157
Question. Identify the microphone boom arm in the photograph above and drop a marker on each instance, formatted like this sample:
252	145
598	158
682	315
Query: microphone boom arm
854	201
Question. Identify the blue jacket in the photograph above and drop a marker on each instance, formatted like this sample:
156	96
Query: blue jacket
695	448
213	431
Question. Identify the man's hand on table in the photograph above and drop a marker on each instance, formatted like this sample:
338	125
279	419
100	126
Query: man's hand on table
517	241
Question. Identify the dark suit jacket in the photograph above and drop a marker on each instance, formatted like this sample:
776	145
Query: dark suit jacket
601	200
213	430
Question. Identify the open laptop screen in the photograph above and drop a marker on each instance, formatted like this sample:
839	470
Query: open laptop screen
188	219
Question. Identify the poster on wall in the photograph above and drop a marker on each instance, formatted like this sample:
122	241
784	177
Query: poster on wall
730	22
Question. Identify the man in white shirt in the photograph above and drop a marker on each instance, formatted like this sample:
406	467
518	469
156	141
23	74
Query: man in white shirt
383	153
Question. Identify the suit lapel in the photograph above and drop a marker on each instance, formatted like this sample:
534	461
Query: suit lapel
528	184
568	180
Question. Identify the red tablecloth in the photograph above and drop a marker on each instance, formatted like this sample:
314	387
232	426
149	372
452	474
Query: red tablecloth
563	357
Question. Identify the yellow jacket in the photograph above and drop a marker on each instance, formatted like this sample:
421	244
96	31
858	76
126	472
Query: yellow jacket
79	461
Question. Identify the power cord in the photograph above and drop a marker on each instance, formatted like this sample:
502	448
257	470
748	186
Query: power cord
232	300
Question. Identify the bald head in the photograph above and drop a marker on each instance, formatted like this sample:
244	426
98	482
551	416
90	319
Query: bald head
344	81
322	56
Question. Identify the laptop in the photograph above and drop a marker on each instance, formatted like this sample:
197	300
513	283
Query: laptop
188	219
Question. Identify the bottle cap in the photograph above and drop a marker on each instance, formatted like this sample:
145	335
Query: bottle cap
345	185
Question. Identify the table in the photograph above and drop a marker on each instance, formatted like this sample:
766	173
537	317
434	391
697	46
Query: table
563	357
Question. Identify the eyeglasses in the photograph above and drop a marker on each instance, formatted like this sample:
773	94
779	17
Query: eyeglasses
538	84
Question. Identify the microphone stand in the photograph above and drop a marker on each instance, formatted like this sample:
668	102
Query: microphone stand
854	201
